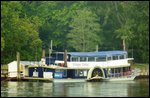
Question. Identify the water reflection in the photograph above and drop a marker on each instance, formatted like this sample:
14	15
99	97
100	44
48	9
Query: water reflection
84	89
139	89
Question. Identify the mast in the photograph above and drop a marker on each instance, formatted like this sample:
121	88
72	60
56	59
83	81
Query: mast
96	48
50	50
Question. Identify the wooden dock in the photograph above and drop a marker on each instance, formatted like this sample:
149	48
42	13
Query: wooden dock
37	79
33	79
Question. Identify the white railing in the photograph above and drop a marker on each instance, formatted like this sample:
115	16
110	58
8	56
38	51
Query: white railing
112	63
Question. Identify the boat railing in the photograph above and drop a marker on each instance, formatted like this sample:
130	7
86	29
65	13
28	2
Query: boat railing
122	74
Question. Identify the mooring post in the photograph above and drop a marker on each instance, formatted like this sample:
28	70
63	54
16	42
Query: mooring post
65	58
18	65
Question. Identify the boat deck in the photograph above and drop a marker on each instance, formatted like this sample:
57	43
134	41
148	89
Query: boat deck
37	79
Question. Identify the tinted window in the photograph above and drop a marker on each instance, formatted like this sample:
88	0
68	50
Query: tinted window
115	57
91	58
121	56
82	58
101	59
108	58
74	58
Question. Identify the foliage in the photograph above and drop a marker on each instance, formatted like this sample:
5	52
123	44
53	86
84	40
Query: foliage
141	66
84	33
20	33
4	67
75	26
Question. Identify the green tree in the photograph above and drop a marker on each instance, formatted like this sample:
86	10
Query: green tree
141	31
107	18
57	27
126	22
75	26
83	35
134	19
19	31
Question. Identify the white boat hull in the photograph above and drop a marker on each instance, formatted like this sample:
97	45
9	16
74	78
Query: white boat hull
120	78
69	80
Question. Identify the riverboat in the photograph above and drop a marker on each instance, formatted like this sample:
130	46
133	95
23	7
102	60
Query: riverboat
88	66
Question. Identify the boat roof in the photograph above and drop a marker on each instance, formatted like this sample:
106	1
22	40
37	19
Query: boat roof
96	54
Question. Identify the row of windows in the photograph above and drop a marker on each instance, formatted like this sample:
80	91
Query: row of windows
77	72
118	70
64	72
81	72
97	58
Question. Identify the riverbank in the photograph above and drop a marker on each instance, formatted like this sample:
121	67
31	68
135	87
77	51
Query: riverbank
140	66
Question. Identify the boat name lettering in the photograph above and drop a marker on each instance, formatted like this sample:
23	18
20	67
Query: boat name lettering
80	64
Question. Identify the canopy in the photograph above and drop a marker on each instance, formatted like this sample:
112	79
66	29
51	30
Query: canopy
97	54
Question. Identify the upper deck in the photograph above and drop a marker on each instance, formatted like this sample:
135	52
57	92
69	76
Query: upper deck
92	56
89	59
98	54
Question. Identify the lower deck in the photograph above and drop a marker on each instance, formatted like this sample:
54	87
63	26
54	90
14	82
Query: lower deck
57	73
64	73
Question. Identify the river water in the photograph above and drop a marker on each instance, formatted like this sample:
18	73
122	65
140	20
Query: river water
136	88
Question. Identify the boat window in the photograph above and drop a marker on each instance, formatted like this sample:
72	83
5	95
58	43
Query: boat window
113	70
108	58
85	72
91	59
60	57
124	69
121	56
125	55
119	70
80	73
101	59
64	73
115	57
74	58
76	72
82	58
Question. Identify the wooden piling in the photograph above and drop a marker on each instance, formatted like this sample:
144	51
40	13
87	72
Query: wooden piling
18	65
